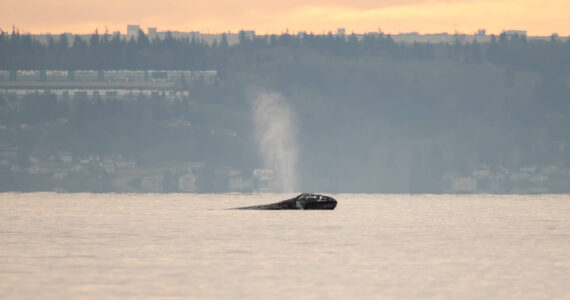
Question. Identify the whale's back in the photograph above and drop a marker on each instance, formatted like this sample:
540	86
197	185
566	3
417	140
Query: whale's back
302	202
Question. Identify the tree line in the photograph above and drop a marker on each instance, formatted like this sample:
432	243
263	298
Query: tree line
107	52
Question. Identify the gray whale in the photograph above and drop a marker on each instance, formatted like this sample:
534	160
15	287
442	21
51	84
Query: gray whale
303	201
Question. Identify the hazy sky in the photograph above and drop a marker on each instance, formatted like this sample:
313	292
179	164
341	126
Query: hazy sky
539	17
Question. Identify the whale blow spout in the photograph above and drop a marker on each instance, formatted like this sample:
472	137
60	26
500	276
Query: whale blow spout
303	201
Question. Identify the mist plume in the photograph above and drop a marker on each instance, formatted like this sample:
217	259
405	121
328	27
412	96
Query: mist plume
275	136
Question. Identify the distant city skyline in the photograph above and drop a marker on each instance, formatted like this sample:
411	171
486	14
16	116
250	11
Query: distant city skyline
536	17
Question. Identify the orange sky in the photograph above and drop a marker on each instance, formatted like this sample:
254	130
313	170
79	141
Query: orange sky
392	16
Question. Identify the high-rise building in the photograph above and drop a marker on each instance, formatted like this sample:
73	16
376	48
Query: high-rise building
248	34
151	32
133	30
515	32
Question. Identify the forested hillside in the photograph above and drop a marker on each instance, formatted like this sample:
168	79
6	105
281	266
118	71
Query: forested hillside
370	115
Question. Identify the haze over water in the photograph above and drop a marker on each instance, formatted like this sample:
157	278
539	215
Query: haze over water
55	246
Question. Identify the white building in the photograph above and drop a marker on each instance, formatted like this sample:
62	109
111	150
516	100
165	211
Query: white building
517	32
151	32
187	182
464	184
248	34
133	30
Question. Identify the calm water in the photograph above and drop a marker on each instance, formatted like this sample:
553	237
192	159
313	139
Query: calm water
372	246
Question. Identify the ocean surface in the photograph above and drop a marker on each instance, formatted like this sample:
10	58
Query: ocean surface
60	246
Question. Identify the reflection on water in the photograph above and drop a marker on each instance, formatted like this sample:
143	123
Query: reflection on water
371	246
